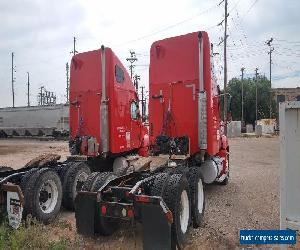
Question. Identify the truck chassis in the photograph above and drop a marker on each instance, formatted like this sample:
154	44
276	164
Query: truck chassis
40	188
165	200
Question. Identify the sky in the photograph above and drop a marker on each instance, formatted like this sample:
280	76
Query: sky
40	33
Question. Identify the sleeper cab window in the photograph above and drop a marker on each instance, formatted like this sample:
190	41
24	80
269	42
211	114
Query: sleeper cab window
134	110
119	74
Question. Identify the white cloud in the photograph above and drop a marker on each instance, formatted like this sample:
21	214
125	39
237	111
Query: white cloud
41	32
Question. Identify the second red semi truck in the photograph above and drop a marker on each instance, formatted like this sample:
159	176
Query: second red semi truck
154	175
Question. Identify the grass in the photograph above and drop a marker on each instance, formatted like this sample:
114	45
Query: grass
31	235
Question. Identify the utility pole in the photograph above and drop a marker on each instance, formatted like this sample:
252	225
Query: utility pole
28	85
145	115
136	82
143	108
131	59
74	47
242	118
256	75
225	65
68	82
12	78
270	53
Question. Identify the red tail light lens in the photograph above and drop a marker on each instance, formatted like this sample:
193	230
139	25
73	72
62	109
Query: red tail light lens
103	210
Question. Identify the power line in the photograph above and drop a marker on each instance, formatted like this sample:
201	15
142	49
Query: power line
143	104
269	43
242	80
287	41
43	61
74	51
28	93
12	78
68	82
256	75
225	65
247	12
170	26
241	21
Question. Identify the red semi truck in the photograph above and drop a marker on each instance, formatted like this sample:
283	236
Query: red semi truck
105	128
185	143
188	148
104	107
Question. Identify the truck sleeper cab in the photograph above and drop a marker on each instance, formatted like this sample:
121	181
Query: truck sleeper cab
185	101
104	113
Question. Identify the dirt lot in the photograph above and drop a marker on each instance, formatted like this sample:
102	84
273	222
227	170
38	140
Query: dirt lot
249	201
16	153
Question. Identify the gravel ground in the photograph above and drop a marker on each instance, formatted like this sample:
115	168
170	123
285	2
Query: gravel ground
16	153
249	201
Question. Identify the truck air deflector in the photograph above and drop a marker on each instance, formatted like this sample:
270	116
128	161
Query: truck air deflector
202	116
104	133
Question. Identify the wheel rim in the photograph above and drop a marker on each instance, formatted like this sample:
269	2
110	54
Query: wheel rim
48	195
82	177
200	196
184	211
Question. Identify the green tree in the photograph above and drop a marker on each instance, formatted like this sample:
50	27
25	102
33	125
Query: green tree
234	88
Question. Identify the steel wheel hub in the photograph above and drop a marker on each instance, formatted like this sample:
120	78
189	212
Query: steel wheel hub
48	195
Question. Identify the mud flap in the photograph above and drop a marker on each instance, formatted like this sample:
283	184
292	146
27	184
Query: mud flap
14	203
85	209
156	228
14	209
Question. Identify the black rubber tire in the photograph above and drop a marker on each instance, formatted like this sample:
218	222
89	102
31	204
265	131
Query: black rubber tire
70	183
101	179
159	184
25	178
62	170
31	184
175	185
104	226
90	182
193	177
5	168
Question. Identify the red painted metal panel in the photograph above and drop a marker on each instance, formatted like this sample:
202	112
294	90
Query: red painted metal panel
124	131
174	84
85	99
85	94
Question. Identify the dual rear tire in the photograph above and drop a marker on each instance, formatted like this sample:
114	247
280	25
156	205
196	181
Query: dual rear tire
184	196
73	177
45	190
103	225
196	185
42	191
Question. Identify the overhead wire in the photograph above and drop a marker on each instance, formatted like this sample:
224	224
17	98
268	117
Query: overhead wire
170	26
